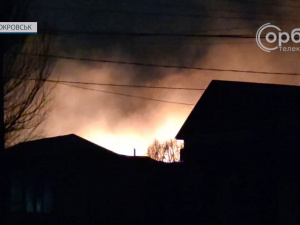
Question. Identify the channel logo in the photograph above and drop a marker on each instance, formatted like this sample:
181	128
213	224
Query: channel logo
279	38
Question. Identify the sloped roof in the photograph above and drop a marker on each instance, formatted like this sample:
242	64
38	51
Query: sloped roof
60	144
227	107
62	150
69	151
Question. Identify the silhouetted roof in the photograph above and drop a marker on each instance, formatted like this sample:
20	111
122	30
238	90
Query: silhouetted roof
245	108
69	151
60	145
61	150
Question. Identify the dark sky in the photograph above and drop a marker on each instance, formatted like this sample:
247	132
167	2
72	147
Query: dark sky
177	33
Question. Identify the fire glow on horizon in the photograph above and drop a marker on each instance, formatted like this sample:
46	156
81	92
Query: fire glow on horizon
118	123
124	143
121	124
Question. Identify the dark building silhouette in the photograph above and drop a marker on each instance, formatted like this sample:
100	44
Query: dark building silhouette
240	166
69	180
242	147
244	114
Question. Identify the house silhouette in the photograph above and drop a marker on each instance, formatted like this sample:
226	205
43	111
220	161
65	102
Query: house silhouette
240	166
69	180
240	114
242	146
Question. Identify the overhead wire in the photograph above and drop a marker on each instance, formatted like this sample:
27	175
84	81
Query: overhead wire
169	6
128	95
168	14
121	85
158	65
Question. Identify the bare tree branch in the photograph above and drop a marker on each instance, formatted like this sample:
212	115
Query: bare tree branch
168	151
26	101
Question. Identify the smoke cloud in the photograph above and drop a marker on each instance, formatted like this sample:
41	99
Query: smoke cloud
122	123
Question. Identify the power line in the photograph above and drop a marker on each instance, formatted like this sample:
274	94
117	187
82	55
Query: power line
235	1
110	35
159	65
198	7
201	31
127	95
143	13
155	42
118	34
265	3
121	85
152	41
148	34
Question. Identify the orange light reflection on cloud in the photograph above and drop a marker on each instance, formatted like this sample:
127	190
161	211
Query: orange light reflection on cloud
125	142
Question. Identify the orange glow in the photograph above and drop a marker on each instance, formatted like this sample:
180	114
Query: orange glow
125	142
121	123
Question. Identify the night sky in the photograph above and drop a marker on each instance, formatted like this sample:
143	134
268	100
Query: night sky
188	36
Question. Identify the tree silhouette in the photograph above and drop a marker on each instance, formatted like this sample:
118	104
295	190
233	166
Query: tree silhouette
26	96
167	151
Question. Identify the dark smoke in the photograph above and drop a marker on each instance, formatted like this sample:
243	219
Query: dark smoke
80	26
